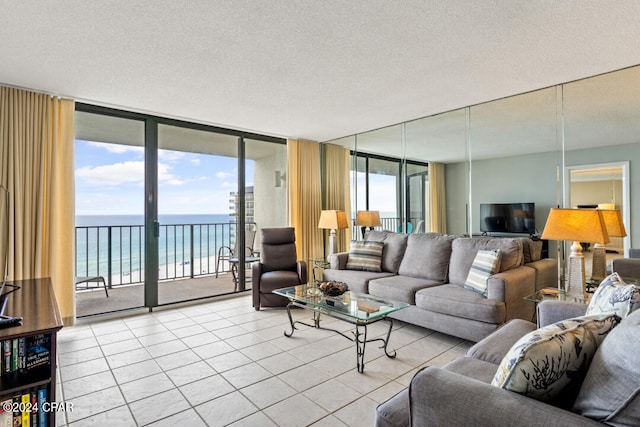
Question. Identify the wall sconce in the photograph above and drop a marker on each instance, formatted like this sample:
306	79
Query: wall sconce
280	177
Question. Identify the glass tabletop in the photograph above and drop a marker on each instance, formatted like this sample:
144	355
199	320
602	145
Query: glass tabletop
361	307
557	295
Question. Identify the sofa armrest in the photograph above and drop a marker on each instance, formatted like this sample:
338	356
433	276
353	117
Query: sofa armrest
439	397
510	287
550	311
339	261
301	268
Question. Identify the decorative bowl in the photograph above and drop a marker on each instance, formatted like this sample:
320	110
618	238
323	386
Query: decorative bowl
333	289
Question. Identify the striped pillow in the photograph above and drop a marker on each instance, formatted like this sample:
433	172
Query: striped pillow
365	256
485	264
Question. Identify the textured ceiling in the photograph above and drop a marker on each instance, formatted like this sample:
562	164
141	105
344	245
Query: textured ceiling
315	70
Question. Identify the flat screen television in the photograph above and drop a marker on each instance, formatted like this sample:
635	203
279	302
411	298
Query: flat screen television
508	218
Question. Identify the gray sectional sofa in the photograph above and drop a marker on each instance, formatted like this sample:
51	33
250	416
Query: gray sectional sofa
429	270
460	393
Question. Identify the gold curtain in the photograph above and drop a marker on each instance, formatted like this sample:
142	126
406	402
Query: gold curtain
305	203
336	187
36	165
437	198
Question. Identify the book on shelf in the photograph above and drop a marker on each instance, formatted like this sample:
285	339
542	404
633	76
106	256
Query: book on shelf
25	353
25	409
6	417
43	420
38	351
17	415
6	356
34	408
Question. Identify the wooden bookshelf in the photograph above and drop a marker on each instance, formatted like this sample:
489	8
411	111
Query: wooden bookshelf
35	302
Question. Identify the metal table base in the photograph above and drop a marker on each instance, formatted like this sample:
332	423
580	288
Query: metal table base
359	338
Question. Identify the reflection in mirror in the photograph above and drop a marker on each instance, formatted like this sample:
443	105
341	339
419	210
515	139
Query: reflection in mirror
604	187
514	148
440	141
602	125
378	183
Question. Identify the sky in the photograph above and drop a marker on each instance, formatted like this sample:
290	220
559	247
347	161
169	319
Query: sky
110	180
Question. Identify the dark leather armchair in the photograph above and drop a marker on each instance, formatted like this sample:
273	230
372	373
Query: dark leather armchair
278	267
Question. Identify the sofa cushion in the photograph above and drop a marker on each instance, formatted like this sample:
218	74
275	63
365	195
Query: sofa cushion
427	256
455	300
464	249
547	363
610	392
399	288
614	296
358	281
394	247
486	263
472	368
531	250
365	256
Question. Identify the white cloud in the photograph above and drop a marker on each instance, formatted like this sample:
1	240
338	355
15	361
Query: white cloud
170	156
116	148
115	174
195	161
166	177
223	175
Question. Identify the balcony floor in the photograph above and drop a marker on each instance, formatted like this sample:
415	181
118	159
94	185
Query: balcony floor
124	297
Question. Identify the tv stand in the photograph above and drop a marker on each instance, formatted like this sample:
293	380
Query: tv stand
32	373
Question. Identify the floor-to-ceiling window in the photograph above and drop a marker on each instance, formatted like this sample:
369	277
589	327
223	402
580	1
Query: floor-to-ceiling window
169	201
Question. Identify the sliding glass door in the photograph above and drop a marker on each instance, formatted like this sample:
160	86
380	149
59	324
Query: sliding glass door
109	202
177	207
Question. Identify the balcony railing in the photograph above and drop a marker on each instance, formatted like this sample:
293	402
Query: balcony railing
117	252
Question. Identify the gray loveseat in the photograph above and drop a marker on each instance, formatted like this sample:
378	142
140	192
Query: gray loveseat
429	270
460	393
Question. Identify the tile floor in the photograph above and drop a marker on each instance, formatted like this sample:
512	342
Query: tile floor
222	363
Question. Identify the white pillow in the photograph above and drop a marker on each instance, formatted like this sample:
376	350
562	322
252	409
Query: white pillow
613	295
544	362
485	264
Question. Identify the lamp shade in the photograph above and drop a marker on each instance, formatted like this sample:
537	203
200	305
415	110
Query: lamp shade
333	220
368	218
578	225
613	222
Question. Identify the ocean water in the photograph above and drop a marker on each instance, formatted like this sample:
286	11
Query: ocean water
124	236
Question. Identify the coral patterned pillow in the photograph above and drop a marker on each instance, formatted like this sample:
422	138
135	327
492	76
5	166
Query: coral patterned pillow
543	363
614	296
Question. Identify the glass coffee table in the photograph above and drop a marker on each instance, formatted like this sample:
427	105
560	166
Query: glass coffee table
358	309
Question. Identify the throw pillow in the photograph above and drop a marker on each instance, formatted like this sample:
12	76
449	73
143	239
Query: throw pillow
485	264
550	363
365	256
614	296
610	391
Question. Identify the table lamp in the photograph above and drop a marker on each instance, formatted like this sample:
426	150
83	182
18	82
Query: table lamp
615	228
368	219
332	220
577	225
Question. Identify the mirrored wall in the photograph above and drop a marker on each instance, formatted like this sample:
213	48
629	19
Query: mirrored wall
519	150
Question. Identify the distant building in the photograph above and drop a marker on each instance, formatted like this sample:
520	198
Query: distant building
234	207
